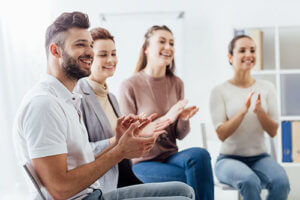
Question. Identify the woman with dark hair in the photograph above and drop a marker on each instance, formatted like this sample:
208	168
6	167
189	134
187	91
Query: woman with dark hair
156	89
242	109
100	110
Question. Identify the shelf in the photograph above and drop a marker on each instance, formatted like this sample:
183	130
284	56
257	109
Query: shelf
290	118
264	72
290	71
272	72
286	164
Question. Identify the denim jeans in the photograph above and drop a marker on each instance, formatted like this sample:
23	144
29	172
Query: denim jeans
191	166
155	191
250	174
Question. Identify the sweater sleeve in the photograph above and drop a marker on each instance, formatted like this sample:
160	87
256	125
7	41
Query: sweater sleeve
127	100
182	126
217	108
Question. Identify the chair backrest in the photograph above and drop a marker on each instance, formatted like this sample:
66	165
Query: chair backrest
204	139
34	179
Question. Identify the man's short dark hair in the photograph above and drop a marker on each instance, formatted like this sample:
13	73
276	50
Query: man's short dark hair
55	32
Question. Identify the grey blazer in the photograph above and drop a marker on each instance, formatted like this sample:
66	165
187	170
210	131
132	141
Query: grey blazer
95	119
99	130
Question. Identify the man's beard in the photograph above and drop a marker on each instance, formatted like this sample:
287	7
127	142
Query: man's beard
72	68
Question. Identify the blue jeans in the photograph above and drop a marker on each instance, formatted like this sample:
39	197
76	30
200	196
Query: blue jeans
250	174
191	166
150	191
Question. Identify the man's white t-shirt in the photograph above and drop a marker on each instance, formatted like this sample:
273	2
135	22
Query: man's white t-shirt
48	123
226	100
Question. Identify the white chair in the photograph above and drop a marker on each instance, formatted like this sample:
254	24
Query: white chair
225	186
34	179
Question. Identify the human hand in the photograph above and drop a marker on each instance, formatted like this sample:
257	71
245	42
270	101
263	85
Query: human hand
123	124
189	112
132	146
175	110
247	104
257	107
155	128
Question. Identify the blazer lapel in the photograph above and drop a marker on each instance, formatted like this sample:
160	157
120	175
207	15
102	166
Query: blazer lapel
91	98
113	101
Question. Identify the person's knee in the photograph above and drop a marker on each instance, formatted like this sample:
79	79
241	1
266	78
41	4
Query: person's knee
198	156
183	189
203	154
250	182
281	184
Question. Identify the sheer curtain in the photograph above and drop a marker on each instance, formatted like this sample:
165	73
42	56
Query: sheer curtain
22	61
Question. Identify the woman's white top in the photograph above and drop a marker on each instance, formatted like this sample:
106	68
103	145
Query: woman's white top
226	100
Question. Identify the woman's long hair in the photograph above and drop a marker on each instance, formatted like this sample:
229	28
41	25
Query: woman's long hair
142	61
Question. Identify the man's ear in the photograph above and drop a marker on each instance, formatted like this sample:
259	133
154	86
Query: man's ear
230	58
55	50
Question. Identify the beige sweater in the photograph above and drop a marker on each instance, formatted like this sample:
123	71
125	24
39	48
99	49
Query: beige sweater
101	92
144	94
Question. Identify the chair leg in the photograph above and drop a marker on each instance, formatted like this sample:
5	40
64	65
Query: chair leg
239	195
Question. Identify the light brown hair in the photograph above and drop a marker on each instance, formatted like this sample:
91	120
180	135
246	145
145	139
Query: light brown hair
142	61
101	34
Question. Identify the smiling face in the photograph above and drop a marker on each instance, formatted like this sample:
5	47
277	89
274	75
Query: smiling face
77	54
105	60
244	54
160	49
